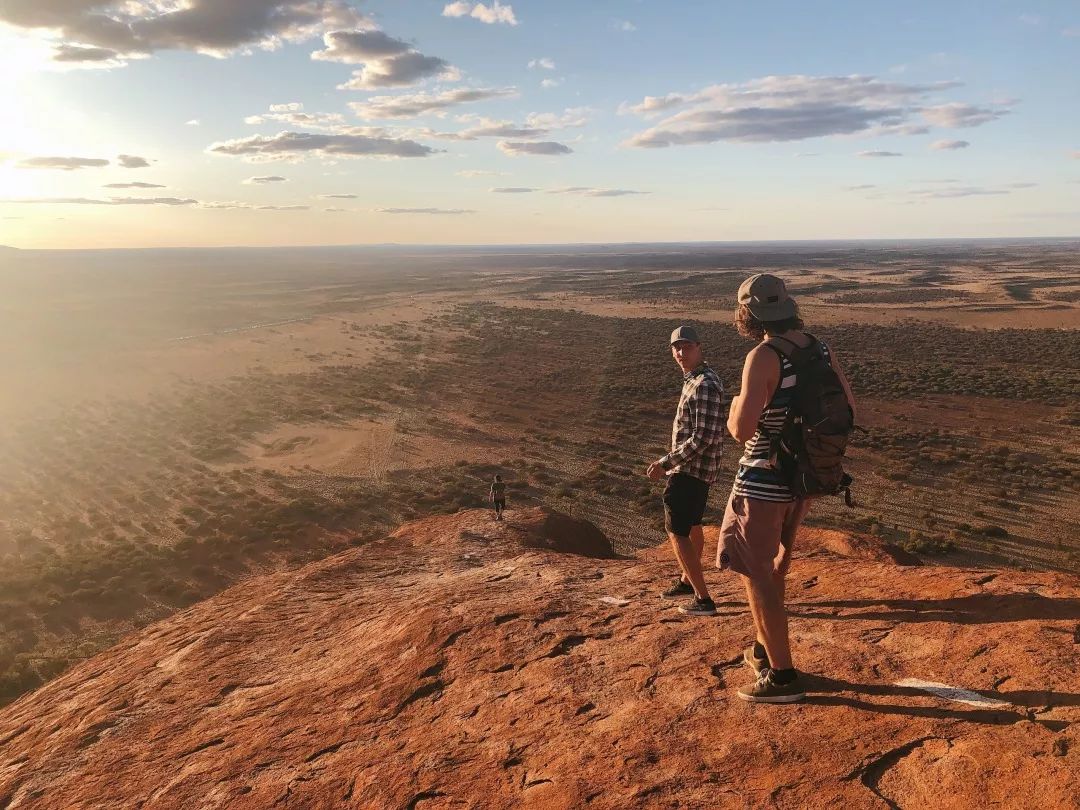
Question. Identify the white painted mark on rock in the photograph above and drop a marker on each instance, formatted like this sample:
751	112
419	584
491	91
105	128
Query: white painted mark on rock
953	693
618	601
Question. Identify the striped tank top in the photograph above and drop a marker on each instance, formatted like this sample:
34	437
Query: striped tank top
758	476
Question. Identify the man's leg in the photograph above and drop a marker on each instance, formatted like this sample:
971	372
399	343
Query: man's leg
688	554
770	618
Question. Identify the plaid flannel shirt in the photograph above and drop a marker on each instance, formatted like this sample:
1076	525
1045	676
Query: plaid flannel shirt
697	434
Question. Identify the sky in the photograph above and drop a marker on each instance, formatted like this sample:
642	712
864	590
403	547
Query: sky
155	123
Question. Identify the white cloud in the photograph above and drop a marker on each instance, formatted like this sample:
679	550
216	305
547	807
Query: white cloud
788	108
296	118
586	191
653	105
66	164
479	173
291	106
133	185
411	106
515	148
338	196
547	84
950	145
264	179
94	31
194	122
425	211
513	190
282	207
335	210
402	70
957	115
387	61
878	153
543	63
298	145
624	25
495	13
132	161
172	201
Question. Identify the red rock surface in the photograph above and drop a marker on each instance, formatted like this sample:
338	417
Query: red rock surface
456	665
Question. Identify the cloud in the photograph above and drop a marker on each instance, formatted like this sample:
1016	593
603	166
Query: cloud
1023	185
789	108
411	106
399	71
84	29
652	105
878	153
543	63
547	84
479	173
514	148
132	161
290	106
586	191
957	115
335	210
282	207
624	25
959	191
513	190
66	164
862	187
194	122
425	211
297	145
172	201
296	118
78	53
263	179
950	145
495	13
133	185
354	47
338	196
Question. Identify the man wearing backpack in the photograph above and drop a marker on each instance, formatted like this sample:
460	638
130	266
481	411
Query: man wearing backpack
787	459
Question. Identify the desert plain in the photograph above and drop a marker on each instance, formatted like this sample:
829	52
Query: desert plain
175	421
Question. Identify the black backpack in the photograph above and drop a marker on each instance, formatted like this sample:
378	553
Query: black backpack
809	447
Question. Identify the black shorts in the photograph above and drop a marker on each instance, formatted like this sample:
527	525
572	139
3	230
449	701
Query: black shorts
500	503
685	498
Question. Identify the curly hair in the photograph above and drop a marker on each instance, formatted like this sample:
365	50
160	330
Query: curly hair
749	326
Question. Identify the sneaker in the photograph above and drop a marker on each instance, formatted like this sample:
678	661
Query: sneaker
752	661
766	690
678	590
699	607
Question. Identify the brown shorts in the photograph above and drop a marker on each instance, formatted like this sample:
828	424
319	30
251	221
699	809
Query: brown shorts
753	531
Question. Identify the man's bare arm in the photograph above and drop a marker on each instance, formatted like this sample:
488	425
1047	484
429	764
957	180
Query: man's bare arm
761	373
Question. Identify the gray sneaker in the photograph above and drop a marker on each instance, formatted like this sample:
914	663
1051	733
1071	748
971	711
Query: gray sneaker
678	590
699	607
752	661
766	690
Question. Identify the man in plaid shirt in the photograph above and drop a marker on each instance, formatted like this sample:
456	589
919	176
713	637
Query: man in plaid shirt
697	442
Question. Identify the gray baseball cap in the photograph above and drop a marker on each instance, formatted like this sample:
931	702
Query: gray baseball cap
767	298
685	333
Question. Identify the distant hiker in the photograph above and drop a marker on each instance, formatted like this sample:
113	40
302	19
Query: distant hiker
697	441
498	496
764	511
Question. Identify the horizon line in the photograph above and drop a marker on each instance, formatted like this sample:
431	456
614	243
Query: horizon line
490	245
